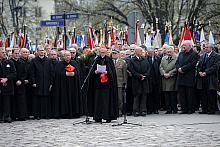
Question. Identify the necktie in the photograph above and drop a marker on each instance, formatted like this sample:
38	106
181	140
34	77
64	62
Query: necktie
206	57
153	60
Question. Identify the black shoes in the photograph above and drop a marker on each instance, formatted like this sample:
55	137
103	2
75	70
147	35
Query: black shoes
143	113
108	120
168	112
129	113
98	120
136	114
156	112
7	120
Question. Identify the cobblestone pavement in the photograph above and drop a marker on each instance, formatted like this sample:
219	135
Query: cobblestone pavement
156	130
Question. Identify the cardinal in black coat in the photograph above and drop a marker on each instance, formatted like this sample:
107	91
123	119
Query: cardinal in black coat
66	92
102	92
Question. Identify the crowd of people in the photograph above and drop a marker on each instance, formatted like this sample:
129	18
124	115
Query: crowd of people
58	83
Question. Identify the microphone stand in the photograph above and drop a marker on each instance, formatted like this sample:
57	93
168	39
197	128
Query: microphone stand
86	121
125	121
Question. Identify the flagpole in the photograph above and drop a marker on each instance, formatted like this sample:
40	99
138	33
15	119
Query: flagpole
64	38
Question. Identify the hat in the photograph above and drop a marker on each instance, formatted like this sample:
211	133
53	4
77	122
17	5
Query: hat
114	50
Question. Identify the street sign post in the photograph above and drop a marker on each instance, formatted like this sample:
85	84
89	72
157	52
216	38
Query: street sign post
59	20
52	23
64	16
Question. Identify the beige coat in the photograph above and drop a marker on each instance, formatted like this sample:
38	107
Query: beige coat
170	68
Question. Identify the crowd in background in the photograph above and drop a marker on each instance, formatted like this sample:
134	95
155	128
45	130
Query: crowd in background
47	83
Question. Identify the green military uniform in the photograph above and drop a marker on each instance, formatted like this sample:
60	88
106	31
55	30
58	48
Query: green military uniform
121	72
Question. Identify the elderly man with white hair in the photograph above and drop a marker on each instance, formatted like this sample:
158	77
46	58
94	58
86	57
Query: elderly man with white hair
168	73
186	65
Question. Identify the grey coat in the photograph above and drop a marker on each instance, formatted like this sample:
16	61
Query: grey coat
170	68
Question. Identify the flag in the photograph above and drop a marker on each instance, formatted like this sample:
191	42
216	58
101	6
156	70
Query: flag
26	44
113	36
202	36
109	40
170	37
78	40
90	38
13	40
166	39
186	35
181	38
137	37
7	42
157	40
148	41
96	40
211	38
20	40
196	34
101	38
82	41
125	38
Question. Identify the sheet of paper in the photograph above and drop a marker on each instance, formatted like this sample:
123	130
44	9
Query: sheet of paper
101	68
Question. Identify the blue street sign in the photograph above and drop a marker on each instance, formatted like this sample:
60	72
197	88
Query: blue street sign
51	23
67	16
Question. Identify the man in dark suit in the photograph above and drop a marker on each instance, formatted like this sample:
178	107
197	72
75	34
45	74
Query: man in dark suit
41	79
129	94
186	63
19	101
7	75
140	71
155	82
208	79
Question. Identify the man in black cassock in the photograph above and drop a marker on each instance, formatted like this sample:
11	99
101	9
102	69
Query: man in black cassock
24	53
41	79
102	93
19	101
66	89
7	75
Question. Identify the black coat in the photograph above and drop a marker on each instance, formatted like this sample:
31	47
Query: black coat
210	66
41	75
21	75
139	67
187	62
66	92
7	70
155	77
102	98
